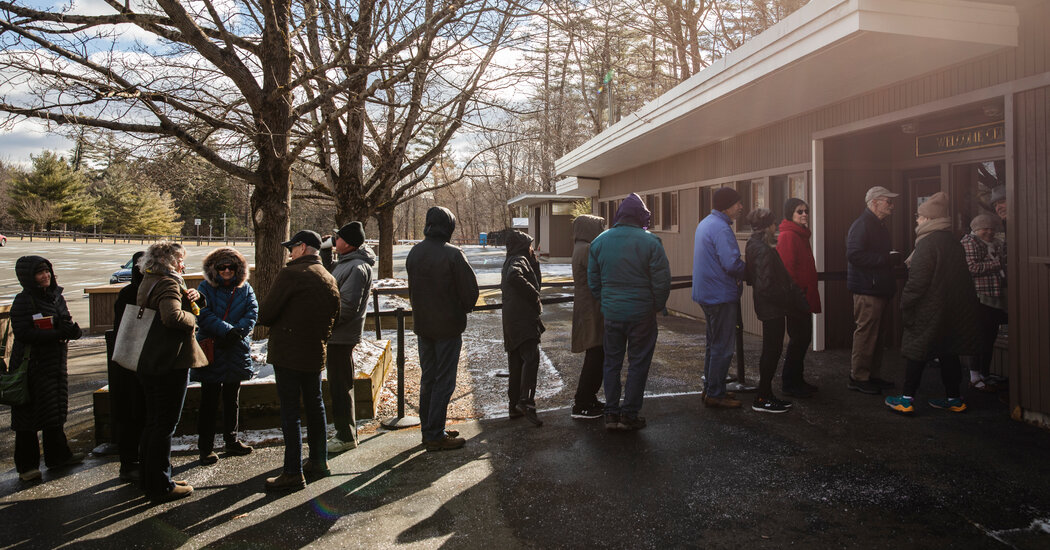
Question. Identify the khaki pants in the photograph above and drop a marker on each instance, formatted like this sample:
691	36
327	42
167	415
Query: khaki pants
869	312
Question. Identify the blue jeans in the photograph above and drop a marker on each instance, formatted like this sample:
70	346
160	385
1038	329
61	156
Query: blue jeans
638	340
721	343
290	385
439	361
165	395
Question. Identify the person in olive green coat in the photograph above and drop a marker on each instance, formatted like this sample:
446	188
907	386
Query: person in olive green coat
300	309
938	307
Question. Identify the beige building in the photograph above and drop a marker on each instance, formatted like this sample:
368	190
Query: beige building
918	96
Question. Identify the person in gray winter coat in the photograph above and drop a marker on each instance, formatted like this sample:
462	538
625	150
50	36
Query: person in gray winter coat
443	289
588	325
520	284
42	325
353	274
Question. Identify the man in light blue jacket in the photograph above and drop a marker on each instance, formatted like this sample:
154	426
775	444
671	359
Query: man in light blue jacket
629	275
718	273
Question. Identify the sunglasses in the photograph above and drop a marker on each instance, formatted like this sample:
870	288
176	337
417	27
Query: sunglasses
802	211
224	267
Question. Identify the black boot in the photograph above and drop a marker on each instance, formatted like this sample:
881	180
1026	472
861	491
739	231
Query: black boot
235	447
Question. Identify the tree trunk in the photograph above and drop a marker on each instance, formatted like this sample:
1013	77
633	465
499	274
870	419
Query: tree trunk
385	218
270	216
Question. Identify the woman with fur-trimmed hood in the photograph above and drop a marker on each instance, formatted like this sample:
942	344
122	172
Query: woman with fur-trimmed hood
228	319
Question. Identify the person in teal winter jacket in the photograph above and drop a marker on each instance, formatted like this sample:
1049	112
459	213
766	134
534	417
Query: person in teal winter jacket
629	275
228	318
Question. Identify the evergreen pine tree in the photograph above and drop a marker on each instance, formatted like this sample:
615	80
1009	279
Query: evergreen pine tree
52	193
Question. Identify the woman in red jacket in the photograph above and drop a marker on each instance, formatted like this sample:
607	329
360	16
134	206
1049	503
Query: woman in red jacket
794	249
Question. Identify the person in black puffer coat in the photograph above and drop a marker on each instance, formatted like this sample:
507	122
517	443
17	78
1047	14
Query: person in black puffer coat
127	398
229	319
776	296
520	284
44	338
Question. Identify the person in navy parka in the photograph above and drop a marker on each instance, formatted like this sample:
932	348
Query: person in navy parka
229	318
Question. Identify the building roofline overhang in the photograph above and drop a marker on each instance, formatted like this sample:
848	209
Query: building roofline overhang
825	52
529	199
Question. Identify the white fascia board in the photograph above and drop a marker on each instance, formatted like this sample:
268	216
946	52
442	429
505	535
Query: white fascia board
577	186
824	27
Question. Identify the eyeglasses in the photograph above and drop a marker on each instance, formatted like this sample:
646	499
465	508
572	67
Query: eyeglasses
802	211
225	267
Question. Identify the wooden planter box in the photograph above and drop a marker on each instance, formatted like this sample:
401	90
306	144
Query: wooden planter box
260	407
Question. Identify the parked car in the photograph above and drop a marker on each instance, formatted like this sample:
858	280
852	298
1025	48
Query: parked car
122	275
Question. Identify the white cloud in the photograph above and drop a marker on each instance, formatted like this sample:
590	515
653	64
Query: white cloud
30	137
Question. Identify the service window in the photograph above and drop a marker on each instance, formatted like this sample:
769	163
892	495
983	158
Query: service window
785	186
561	209
753	194
668	211
705	201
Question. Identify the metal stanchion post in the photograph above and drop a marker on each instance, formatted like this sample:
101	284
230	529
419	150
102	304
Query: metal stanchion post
401	421
379	320
740	384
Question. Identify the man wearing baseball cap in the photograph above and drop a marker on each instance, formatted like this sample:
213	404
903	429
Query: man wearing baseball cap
870	279
300	309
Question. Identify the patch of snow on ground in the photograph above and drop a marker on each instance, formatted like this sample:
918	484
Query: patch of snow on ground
366	355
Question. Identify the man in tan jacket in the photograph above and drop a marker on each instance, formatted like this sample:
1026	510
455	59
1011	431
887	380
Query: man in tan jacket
300	309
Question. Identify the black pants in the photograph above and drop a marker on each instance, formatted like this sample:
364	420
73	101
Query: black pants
211	392
341	385
772	344
27	449
590	376
988	321
165	395
951	375
800	334
524	365
128	403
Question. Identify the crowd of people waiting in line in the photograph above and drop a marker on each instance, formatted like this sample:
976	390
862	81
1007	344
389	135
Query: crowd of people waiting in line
952	306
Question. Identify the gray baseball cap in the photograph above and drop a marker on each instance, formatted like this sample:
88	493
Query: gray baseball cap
877	192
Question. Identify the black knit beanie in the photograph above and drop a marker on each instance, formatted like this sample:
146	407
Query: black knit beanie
724	198
353	233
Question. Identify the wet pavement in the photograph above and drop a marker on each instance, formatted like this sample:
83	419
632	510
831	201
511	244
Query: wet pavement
838	471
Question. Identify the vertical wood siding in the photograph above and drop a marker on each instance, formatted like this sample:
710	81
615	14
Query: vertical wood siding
1029	284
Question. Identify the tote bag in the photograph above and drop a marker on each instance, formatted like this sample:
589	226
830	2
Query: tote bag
14	381
143	343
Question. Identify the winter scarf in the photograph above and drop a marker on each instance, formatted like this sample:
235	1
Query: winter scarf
927	227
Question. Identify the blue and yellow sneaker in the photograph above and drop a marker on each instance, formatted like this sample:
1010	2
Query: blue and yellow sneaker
954	404
900	404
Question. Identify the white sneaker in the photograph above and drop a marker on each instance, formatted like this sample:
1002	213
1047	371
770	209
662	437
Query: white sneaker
336	445
30	475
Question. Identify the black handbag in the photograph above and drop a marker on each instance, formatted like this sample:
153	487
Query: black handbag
14	381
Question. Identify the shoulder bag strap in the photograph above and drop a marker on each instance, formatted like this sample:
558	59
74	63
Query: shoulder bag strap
142	308
229	304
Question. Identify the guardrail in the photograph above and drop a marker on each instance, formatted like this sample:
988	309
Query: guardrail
78	236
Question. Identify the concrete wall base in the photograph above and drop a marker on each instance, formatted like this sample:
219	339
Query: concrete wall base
260	408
